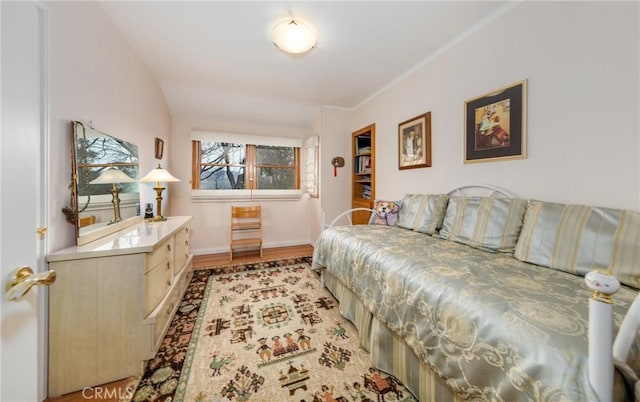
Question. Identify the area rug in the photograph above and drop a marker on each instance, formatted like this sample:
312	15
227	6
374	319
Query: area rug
270	333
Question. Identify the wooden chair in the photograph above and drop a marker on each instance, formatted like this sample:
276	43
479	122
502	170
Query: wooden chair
246	228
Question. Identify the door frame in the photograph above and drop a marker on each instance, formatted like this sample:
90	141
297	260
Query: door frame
43	201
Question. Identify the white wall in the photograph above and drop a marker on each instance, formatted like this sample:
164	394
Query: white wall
335	140
285	223
581	62
96	76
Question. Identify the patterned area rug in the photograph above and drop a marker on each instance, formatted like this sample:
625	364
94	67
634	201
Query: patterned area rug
264	332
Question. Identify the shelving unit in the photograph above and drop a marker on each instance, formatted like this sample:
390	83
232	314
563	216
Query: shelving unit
364	172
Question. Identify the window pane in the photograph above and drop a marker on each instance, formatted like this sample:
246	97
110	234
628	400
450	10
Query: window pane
223	153
221	177
275	178
105	150
280	156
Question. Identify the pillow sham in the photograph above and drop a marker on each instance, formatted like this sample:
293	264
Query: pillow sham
491	224
423	212
385	213
579	238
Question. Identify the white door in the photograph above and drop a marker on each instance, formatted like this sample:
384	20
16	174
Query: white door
22	200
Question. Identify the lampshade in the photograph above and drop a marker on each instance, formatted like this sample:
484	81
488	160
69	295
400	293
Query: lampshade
158	175
293	36
112	175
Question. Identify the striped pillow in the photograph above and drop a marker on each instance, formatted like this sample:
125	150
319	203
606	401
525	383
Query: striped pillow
423	212
580	238
491	224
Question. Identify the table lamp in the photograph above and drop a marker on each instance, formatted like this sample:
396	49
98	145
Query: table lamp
158	175
113	176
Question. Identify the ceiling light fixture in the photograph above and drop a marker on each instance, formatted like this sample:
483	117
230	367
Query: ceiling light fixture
293	36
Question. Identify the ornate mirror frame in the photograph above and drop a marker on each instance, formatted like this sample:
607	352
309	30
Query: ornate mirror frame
98	207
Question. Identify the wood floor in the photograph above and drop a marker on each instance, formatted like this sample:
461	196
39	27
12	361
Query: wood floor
113	392
213	260
123	389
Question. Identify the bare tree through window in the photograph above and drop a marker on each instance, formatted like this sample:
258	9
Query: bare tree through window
224	165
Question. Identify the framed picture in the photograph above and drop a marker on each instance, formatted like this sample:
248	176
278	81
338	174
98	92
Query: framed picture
159	148
414	142
496	125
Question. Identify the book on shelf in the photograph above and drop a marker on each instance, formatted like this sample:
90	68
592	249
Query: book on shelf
364	164
363	144
366	191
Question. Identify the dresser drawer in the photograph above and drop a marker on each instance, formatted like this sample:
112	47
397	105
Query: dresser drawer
158	281
161	255
170	305
181	253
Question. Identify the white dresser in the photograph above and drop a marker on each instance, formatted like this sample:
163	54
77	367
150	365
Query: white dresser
112	302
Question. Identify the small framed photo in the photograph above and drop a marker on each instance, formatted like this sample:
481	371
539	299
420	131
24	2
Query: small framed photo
414	142
496	125
159	148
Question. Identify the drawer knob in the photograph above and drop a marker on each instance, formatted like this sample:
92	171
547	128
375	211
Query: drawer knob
168	282
168	247
170	308
168	265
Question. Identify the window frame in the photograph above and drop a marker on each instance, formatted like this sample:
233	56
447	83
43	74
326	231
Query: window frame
311	168
251	170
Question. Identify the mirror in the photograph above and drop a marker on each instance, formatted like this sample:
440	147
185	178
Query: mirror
104	190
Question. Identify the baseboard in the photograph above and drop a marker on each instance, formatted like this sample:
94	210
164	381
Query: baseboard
218	250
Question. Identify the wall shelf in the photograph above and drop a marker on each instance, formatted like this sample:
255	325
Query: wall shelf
363	173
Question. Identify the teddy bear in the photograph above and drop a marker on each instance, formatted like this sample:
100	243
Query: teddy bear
386	213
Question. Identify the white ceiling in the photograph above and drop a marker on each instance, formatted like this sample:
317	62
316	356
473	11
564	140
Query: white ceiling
215	60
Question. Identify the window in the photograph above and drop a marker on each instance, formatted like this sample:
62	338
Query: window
277	168
222	165
237	166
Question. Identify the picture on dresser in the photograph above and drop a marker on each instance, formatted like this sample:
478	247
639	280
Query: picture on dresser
495	125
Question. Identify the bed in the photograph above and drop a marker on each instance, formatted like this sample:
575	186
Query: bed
456	320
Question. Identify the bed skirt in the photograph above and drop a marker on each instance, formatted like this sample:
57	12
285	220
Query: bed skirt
388	351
